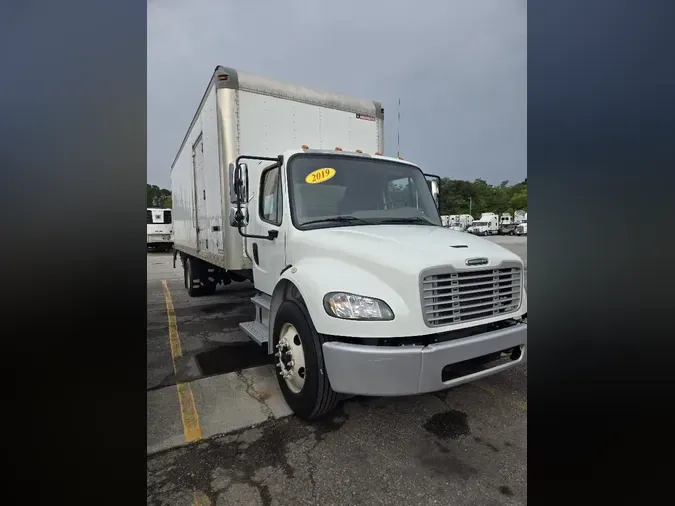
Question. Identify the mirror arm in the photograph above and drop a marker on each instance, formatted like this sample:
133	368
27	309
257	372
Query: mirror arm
271	235
238	183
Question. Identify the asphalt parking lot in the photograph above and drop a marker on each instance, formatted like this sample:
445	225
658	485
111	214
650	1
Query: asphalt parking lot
219	431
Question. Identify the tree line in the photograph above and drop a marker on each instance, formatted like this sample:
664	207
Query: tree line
159	197
476	197
457	197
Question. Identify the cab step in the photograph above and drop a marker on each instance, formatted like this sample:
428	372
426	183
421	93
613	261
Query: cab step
256	331
263	301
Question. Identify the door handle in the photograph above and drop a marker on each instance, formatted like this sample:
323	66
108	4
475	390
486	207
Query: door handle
255	254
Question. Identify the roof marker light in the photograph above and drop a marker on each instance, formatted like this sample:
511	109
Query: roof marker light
359	151
338	148
305	146
378	154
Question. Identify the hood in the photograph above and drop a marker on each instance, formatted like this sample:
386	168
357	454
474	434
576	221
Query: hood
399	247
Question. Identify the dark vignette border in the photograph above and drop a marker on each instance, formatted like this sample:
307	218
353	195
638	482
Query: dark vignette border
73	152
73	144
600	160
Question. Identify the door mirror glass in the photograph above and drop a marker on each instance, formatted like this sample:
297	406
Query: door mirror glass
238	194
434	183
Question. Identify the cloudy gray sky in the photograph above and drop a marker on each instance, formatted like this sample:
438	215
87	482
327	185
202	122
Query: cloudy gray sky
458	66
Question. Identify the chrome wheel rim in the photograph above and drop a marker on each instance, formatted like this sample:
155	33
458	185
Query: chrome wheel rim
291	358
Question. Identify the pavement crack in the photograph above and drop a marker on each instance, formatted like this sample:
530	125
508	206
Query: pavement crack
311	466
254	394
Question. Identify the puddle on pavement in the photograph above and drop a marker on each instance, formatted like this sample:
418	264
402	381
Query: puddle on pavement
231	357
448	424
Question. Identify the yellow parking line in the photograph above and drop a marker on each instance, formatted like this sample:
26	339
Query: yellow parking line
188	409
199	498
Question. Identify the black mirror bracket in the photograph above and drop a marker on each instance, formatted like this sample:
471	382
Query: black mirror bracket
239	217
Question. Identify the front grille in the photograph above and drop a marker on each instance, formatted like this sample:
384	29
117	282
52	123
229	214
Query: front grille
456	297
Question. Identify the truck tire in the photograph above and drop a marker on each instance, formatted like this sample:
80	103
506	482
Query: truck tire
209	280
208	288
306	387
193	289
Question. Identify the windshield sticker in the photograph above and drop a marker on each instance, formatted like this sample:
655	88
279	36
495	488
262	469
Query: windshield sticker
320	175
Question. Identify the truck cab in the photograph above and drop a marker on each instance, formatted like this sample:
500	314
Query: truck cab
362	291
521	228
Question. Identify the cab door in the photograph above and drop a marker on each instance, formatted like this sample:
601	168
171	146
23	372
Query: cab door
269	256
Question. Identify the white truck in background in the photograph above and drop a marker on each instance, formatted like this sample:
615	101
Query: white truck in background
160	228
519	216
361	291
464	221
505	219
487	224
460	222
521	228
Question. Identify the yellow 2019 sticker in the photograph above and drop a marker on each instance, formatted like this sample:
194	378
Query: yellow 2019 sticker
320	175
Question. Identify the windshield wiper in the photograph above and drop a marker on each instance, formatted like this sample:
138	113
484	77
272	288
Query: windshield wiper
338	219
409	219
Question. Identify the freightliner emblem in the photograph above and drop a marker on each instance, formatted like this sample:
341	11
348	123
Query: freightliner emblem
476	261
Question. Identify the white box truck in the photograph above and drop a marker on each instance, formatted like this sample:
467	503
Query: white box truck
361	290
160	228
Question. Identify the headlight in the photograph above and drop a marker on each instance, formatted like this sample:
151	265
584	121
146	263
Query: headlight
356	307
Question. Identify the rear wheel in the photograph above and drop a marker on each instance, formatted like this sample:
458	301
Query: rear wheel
301	372
209	280
193	288
208	288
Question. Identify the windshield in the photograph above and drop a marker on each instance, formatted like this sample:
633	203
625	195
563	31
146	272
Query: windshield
479	224
329	191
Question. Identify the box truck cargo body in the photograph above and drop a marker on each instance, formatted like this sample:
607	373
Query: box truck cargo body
360	289
242	113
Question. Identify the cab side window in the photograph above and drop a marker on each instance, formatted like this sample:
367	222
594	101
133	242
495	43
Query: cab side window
270	206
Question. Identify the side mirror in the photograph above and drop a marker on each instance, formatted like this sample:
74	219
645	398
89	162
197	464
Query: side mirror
238	216
240	179
238	194
237	178
434	183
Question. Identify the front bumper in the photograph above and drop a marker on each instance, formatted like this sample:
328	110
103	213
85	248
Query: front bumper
159	239
407	370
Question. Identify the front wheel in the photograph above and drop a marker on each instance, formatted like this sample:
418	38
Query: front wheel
300	368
